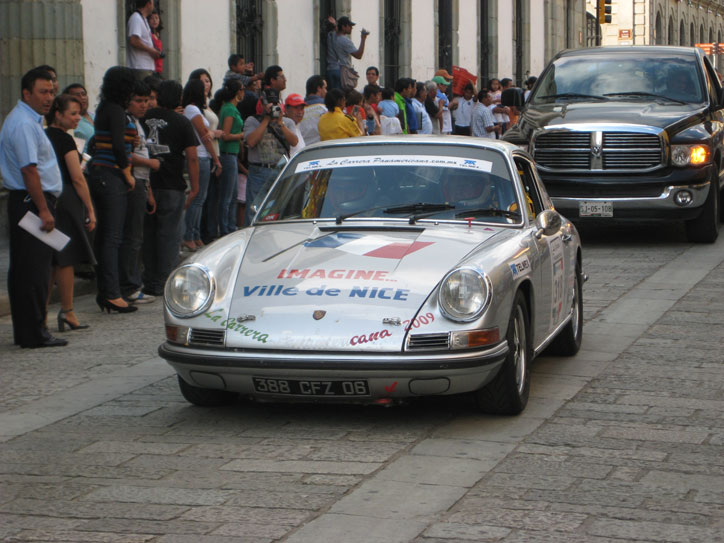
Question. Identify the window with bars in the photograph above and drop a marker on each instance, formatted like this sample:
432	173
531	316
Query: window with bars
392	31
249	30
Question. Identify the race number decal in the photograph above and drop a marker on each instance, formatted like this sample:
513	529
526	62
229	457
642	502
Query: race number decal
555	246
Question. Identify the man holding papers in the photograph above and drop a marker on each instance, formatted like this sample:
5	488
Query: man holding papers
30	172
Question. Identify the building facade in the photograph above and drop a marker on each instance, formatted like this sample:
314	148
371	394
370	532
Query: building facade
490	38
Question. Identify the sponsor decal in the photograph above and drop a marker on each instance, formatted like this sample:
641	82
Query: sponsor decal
420	320
366	245
369	338
232	325
558	288
384	293
520	267
318	314
395	160
356	275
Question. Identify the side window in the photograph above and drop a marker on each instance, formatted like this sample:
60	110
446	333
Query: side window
530	185
712	80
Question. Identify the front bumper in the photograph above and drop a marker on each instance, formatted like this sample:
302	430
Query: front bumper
394	375
649	196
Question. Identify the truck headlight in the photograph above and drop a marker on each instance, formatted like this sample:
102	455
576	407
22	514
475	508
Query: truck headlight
464	294
189	290
683	155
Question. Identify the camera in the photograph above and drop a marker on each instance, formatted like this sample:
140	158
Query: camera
365	32
271	96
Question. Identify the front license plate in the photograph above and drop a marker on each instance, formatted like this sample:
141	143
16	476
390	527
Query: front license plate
295	387
595	209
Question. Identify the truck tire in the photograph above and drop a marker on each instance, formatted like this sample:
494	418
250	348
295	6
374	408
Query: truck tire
705	228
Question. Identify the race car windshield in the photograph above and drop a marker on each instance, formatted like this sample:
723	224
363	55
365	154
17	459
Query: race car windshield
662	78
437	185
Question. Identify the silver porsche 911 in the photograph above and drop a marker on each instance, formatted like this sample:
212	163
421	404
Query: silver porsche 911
378	269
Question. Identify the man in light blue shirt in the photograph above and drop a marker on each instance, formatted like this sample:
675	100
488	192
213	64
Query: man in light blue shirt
30	172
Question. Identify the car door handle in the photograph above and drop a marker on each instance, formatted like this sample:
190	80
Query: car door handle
566	238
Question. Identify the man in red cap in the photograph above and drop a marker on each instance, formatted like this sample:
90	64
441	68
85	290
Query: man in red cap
295	111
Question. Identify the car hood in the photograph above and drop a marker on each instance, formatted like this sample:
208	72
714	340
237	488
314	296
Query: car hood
300	287
660	115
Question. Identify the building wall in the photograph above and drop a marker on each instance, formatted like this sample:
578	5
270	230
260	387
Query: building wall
100	48
204	43
423	53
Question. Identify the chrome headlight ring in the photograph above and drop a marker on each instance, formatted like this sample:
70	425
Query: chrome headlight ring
189	290
468	285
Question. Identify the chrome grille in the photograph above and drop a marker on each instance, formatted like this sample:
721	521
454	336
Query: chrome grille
212	338
420	342
566	150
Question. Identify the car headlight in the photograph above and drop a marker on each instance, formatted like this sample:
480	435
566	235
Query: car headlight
464	294
189	290
683	155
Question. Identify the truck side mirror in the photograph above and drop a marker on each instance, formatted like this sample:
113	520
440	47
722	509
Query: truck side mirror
512	97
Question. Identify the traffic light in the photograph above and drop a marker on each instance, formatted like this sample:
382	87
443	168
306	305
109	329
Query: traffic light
604	11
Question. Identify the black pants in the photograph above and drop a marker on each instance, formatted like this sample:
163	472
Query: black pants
28	273
129	254
110	196
462	130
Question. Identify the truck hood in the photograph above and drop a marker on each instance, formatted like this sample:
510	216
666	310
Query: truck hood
300	287
660	115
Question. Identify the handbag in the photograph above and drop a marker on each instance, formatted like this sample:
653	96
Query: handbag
348	77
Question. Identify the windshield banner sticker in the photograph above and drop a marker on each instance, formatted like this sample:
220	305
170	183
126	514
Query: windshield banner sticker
366	245
395	160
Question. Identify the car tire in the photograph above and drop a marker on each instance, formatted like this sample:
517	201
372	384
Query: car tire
705	228
205	397
507	393
568	341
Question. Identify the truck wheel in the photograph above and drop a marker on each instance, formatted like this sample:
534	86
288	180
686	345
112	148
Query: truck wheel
507	393
205	397
705	228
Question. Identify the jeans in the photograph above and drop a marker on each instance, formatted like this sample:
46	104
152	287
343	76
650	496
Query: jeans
258	181
161	239
130	251
110	196
227	183
211	210
193	213
334	79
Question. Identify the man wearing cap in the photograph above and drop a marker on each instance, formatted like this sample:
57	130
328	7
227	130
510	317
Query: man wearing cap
340	48
444	102
295	111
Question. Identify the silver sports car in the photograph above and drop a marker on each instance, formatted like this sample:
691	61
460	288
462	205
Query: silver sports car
378	269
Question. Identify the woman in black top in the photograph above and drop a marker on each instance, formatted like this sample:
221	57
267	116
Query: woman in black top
110	179
74	215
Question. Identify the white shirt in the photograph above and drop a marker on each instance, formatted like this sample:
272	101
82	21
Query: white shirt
300	144
137	59
426	127
309	125
140	150
464	111
191	111
482	117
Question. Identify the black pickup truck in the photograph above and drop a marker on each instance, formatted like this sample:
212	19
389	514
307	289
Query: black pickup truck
629	133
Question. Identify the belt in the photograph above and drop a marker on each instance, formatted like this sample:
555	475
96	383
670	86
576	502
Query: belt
223	153
271	165
49	196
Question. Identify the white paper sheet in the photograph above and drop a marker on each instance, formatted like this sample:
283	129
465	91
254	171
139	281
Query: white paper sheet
55	238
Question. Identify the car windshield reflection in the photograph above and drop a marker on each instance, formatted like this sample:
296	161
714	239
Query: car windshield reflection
411	187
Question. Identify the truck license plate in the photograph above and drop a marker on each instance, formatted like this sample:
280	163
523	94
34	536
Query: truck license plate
595	209
295	387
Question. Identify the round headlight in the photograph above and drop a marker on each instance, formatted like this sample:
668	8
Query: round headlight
464	294
680	155
189	291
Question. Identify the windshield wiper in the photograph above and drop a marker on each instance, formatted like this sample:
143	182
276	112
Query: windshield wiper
420	210
645	95
489	211
573	95
341	218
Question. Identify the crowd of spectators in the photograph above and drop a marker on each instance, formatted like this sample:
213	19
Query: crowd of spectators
160	169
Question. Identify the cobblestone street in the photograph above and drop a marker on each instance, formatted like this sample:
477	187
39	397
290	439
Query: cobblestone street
624	442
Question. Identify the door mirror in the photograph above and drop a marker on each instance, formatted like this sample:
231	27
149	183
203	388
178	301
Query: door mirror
548	223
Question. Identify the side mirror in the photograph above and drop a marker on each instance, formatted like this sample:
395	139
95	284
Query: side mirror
548	223
512	97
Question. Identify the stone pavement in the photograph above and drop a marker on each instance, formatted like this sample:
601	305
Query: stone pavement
624	442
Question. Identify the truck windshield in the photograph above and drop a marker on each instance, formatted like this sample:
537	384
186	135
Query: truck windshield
672	79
